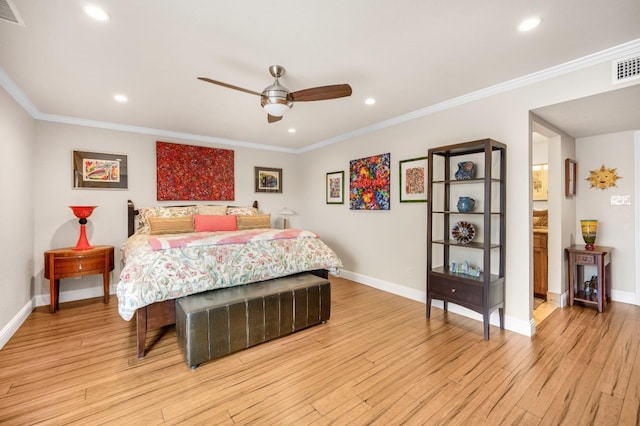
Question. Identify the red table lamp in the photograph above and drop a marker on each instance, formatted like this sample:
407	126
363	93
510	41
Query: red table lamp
82	213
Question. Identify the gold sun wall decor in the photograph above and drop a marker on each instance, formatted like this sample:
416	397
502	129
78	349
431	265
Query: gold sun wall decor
603	178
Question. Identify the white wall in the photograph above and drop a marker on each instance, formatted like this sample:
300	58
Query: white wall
616	227
56	226
565	224
17	139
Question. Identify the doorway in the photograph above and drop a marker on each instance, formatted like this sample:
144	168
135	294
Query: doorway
540	219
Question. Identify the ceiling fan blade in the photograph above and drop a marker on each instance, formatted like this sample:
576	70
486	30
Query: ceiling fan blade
321	93
273	118
228	86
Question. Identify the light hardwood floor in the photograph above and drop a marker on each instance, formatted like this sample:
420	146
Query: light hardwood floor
542	312
377	361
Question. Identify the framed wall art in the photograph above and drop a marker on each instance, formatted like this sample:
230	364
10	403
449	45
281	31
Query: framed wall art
335	187
99	170
412	180
268	179
369	183
570	173
540	181
194	173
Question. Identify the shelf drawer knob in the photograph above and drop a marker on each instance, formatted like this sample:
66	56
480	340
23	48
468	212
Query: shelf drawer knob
453	290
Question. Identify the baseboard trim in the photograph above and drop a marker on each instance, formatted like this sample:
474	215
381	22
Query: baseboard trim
400	290
41	300
624	297
15	323
71	295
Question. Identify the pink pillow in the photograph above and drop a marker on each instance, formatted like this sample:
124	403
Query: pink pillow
210	223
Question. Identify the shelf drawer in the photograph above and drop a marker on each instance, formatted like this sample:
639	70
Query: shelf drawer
79	266
585	259
456	291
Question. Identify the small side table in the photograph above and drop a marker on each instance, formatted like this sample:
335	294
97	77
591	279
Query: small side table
600	257
66	263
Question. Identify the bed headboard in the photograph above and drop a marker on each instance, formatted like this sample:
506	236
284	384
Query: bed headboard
132	212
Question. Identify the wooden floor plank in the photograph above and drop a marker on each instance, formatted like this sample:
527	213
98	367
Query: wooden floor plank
630	411
378	360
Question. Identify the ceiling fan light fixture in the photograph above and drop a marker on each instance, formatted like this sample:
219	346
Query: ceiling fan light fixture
276	109
276	100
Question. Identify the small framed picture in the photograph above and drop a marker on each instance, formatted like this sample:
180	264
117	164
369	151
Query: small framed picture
540	181
412	180
335	187
98	170
570	173
268	179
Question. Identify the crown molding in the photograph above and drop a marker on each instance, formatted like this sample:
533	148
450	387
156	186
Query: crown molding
14	91
158	132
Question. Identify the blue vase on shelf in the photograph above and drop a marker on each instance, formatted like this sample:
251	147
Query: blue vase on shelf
466	204
465	170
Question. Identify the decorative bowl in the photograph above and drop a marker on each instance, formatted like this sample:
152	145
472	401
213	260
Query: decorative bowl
463	232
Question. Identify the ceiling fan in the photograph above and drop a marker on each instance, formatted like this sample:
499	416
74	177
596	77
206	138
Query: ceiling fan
277	100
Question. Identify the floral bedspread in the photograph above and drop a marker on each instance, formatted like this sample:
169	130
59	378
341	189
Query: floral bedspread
216	238
151	276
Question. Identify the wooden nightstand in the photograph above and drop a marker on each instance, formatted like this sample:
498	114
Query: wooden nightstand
66	263
600	258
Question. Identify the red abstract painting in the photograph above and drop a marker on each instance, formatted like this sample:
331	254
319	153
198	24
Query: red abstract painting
188	172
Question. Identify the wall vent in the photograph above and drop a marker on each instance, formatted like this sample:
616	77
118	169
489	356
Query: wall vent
9	13
626	69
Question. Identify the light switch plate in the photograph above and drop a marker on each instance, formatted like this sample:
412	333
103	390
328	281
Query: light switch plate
621	200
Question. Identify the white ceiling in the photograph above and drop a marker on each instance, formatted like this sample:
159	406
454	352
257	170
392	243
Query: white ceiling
609	112
408	54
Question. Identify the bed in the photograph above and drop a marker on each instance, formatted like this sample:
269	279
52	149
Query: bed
176	251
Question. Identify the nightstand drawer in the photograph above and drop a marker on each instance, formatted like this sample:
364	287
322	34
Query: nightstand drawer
79	266
71	263
456	291
585	259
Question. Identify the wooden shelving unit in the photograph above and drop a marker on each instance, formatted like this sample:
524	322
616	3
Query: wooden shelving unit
485	293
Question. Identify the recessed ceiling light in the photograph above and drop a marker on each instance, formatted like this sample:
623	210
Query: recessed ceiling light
370	101
97	13
292	130
120	98
529	23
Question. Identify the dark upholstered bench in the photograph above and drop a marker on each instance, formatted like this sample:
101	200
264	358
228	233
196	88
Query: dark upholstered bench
219	322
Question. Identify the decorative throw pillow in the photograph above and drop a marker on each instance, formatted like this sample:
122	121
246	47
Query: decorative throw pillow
212	223
254	222
144	213
242	211
170	225
212	210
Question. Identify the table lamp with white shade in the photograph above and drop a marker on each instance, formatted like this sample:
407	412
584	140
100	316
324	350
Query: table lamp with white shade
285	212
